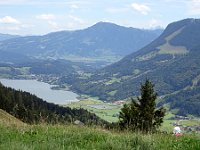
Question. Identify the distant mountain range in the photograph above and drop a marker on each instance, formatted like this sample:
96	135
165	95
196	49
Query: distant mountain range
7	36
103	41
172	62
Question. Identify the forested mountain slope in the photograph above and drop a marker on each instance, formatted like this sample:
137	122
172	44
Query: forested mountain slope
172	62
31	109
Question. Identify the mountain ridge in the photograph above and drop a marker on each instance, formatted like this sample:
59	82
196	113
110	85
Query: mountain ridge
100	42
7	36
171	61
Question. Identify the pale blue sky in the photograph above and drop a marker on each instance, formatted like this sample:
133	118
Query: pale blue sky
27	17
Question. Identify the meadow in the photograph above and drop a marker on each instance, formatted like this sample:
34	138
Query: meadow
16	135
60	137
106	111
110	112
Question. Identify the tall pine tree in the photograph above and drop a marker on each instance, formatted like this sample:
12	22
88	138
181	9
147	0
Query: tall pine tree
141	114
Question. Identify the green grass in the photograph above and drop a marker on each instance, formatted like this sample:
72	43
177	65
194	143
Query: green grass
109	113
192	122
112	93
23	70
15	135
60	137
167	48
167	124
7	72
113	80
147	56
9	120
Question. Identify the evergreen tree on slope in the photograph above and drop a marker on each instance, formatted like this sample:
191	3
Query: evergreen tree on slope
141	114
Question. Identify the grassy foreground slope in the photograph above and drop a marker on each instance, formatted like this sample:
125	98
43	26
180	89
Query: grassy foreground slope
85	138
71	137
9	120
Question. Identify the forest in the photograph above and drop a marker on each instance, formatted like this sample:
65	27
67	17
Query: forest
33	110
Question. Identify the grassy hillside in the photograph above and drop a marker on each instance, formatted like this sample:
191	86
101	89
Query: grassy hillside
8	119
71	137
84	138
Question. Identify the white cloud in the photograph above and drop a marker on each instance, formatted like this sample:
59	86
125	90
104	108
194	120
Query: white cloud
16	28
141	8
194	7
76	19
10	29
53	24
74	6
9	20
27	26
46	16
154	23
49	18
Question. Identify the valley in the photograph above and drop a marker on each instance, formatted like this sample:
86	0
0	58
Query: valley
102	87
171	61
100	75
105	110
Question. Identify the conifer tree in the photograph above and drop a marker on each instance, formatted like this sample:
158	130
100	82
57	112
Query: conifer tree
141	114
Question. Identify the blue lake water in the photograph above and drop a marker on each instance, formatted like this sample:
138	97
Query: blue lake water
41	90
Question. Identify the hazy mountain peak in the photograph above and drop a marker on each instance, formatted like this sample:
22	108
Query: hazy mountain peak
103	41
187	23
101	23
104	26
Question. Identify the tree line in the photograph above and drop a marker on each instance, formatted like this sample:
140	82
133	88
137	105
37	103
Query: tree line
31	109
138	115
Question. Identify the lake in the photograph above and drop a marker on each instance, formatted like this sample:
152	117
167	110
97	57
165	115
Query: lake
41	90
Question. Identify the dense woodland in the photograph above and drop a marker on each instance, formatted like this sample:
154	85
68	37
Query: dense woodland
31	109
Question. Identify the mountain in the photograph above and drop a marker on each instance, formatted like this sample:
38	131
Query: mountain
172	62
7	36
103	41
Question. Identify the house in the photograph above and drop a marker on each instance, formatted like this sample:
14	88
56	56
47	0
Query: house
119	102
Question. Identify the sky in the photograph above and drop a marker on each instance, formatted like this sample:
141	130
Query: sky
38	17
